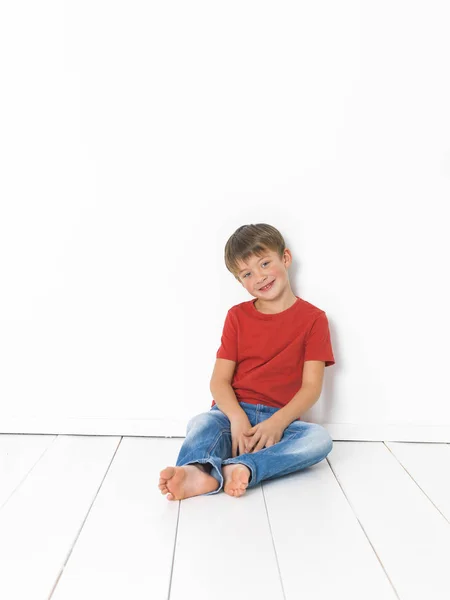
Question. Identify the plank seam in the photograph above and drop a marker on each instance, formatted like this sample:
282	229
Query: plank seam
174	550
273	542
406	470
27	474
84	521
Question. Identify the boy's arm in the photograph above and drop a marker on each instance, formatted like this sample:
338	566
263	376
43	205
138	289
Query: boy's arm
226	400
307	395
222	390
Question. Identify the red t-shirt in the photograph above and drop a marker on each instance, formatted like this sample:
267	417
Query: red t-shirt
270	350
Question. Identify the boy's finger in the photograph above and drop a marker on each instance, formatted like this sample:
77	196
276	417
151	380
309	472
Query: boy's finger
260	445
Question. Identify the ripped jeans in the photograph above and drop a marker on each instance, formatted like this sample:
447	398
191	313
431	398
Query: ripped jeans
208	440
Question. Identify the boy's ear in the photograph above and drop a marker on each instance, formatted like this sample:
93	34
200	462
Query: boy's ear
289	257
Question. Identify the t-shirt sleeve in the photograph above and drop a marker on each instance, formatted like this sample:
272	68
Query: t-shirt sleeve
318	342
228	347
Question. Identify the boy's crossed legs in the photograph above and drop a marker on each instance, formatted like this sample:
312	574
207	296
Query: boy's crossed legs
207	448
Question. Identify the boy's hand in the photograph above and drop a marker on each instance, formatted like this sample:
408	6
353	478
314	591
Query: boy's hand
239	425
264	434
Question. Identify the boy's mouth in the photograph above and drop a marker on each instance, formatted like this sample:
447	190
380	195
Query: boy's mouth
267	287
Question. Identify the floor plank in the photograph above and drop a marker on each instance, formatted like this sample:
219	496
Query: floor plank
410	537
125	549
41	521
19	454
429	466
225	550
322	550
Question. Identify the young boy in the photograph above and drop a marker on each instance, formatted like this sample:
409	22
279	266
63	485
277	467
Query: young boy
269	371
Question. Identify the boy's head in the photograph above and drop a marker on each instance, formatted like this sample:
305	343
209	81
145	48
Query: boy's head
256	255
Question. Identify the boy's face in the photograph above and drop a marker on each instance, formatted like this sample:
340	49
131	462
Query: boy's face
257	272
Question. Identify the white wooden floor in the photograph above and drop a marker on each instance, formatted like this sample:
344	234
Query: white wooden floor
81	517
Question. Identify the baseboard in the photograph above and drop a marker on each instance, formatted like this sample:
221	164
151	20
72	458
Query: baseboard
368	432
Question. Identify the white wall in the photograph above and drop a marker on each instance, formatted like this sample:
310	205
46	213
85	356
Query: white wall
137	136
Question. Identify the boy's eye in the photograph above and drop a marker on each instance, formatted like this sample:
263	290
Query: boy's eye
264	263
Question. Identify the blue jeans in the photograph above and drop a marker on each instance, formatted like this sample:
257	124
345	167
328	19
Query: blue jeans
208	440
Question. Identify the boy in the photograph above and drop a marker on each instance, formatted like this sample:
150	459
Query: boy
269	371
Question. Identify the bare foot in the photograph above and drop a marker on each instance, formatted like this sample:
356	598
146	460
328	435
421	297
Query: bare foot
183	482
236	478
